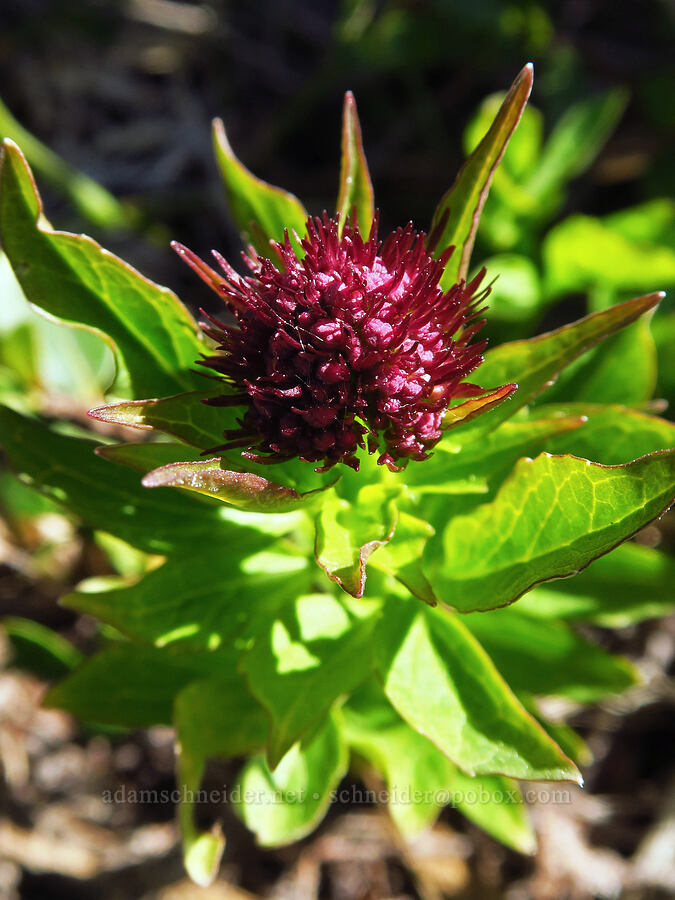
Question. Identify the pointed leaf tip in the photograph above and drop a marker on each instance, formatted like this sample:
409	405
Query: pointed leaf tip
355	194
467	196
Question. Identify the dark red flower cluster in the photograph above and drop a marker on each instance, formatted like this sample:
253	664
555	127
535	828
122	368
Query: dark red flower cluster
348	339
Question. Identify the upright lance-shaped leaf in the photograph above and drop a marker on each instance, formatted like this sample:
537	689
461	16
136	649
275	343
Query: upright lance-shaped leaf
462	205
261	211
73	278
536	363
356	190
551	518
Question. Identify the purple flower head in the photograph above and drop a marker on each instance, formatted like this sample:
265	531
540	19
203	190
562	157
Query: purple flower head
351	340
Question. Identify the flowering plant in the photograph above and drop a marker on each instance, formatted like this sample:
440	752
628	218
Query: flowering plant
337	521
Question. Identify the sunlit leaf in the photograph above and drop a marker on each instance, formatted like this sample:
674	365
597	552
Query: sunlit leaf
463	203
550	518
283	806
356	191
445	686
307	656
72	278
347	534
261	211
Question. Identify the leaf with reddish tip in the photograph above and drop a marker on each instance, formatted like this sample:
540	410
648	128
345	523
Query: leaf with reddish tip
356	190
465	412
261	211
347	534
536	363
71	277
243	489
464	202
184	416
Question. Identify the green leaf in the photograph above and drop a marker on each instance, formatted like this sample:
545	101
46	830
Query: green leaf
307	656
488	458
576	140
517	294
621	370
109	497
282	806
402	555
628	585
441	681
348	533
245	490
213	717
611	435
477	406
129	685
72	278
420	780
184	416
220	599
39	649
144	457
551	517
536	363
582	253
356	191
543	657
261	211
463	203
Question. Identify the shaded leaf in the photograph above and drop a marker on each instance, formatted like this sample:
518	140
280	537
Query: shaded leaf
261	211
289	802
441	681
611	434
356	191
543	657
551	517
490	457
305	657
146	680
465	199
628	585
219	600
213	717
111	498
71	277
